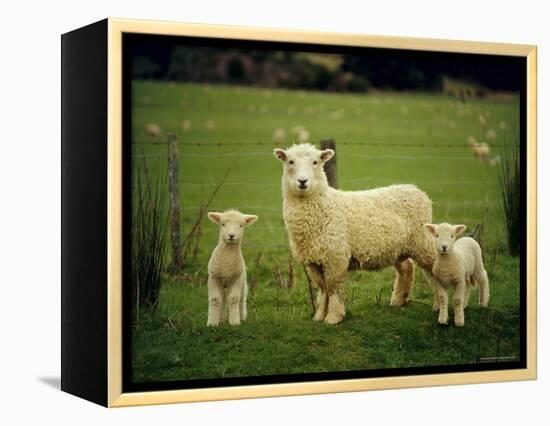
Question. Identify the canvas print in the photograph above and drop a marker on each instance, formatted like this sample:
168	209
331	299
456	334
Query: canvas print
309	212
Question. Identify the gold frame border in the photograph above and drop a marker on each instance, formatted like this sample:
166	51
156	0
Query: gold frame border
116	27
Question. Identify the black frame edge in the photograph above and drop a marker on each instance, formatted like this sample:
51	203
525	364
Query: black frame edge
84	212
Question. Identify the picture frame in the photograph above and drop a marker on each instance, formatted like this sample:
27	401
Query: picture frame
95	143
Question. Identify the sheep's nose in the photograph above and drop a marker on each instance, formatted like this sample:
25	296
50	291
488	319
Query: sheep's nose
231	236
302	182
444	247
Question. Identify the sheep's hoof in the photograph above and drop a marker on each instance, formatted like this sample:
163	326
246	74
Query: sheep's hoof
212	323
319	316
459	322
333	318
397	301
442	322
235	322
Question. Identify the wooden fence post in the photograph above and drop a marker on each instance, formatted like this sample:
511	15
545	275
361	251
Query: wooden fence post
173	189
330	166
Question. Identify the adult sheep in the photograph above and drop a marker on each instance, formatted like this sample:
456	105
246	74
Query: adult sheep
333	231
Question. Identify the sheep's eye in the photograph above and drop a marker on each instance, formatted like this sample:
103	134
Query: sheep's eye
241	226
291	162
452	236
436	236
315	163
223	224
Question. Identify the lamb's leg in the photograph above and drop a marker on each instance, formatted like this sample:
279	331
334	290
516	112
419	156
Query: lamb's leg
470	282
215	303
403	282
483	281
458	302
443	296
435	305
234	303
242	306
315	274
334	277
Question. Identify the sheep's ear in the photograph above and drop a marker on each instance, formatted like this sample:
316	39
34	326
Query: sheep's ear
430	227
280	154
326	155
250	219
215	217
459	229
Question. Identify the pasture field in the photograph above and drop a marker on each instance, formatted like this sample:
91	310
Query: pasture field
382	138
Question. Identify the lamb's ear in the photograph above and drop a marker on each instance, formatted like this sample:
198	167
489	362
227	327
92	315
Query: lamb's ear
280	154
326	155
215	217
459	229
430	227
250	219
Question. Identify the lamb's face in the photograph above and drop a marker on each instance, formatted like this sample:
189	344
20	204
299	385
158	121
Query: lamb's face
303	172
232	224
444	236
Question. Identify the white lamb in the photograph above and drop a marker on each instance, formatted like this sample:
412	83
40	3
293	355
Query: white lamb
227	287
333	231
459	265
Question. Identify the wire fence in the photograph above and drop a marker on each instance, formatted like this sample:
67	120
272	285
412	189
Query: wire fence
269	235
276	144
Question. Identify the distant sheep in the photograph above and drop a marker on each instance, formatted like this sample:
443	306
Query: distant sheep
481	151
279	135
210	125
153	131
303	136
459	265
495	161
491	135
332	231
185	125
227	287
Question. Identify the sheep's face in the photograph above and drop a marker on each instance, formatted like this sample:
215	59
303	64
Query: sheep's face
303	172
232	224
444	236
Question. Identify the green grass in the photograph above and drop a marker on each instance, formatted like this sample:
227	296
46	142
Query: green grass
173	343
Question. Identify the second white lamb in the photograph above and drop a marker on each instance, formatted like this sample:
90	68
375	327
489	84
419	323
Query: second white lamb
459	265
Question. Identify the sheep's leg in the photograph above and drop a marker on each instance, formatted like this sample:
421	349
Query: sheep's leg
215	303
322	302
234	303
443	296
483	281
336	309
402	284
242	306
315	274
334	277
458	302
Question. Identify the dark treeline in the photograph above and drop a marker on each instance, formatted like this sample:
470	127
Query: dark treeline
355	70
